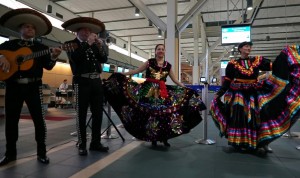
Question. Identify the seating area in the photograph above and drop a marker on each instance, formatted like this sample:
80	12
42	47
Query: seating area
64	99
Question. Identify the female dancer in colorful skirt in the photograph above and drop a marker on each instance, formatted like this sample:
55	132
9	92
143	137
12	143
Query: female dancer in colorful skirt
153	111
254	113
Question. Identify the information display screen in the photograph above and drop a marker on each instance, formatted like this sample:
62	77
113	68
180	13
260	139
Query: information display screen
235	34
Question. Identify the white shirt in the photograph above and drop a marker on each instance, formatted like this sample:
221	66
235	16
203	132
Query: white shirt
63	87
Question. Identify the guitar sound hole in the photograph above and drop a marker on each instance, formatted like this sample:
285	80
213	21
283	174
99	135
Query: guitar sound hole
20	59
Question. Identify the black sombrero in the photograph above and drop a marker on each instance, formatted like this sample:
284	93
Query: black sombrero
93	24
15	18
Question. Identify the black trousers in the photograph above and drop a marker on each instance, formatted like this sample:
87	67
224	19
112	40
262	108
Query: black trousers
88	93
15	96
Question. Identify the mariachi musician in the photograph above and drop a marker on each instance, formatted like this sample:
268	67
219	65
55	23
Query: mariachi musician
85	64
24	82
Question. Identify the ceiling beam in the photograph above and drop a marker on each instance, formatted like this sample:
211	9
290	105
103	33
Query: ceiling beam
278	17
265	7
138	18
125	7
195	10
57	0
149	14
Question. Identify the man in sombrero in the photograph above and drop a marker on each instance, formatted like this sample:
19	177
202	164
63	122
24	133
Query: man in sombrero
86	67
25	85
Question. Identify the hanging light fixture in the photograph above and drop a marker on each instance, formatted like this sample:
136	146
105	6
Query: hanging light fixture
137	12
159	33
49	8
150	23
249	5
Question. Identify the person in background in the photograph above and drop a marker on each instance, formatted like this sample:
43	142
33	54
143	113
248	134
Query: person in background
64	86
26	85
86	67
255	113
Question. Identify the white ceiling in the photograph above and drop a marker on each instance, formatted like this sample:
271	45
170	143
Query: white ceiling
279	19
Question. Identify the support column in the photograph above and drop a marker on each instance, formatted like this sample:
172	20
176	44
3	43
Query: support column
172	41
196	77
129	48
204	47
150	54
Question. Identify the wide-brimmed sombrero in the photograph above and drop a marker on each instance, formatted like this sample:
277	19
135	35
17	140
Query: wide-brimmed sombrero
75	24
15	18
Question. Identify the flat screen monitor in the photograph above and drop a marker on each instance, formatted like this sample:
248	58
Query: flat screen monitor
235	34
120	69
112	68
135	75
126	70
214	80
140	75
202	79
106	67
224	64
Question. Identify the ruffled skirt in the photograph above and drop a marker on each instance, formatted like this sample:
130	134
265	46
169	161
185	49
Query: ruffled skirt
146	115
253	115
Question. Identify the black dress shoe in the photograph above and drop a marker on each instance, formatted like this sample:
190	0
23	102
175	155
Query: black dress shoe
166	143
99	147
7	159
43	159
154	143
82	151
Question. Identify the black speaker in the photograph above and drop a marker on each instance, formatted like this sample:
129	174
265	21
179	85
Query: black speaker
49	8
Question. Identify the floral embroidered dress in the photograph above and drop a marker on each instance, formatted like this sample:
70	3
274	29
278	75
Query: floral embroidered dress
153	111
254	113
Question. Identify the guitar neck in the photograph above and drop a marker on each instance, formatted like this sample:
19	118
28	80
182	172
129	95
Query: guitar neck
36	54
65	47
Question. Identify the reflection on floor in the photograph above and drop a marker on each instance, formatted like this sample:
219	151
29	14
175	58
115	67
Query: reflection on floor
136	159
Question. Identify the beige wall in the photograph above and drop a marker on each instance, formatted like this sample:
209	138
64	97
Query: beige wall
60	72
56	76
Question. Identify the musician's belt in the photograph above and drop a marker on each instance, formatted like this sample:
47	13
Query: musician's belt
90	75
237	80
26	80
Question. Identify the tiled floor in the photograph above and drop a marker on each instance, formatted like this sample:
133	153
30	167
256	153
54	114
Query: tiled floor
136	159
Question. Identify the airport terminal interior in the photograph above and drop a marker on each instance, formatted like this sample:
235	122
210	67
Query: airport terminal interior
199	45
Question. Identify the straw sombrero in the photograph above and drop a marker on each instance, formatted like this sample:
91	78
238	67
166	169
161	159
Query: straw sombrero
15	18
93	24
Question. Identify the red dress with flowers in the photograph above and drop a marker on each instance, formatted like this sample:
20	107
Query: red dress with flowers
153	111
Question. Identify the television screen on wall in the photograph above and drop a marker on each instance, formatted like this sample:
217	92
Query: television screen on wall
224	64
214	80
126	70
202	79
112	68
235	33
140	75
120	69
106	67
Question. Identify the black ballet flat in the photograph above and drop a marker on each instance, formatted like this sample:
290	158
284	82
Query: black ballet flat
268	149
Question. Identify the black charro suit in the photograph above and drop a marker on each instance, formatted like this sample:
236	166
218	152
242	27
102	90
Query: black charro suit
26	86
85	60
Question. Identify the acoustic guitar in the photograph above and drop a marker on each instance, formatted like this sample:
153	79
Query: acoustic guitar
22	59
